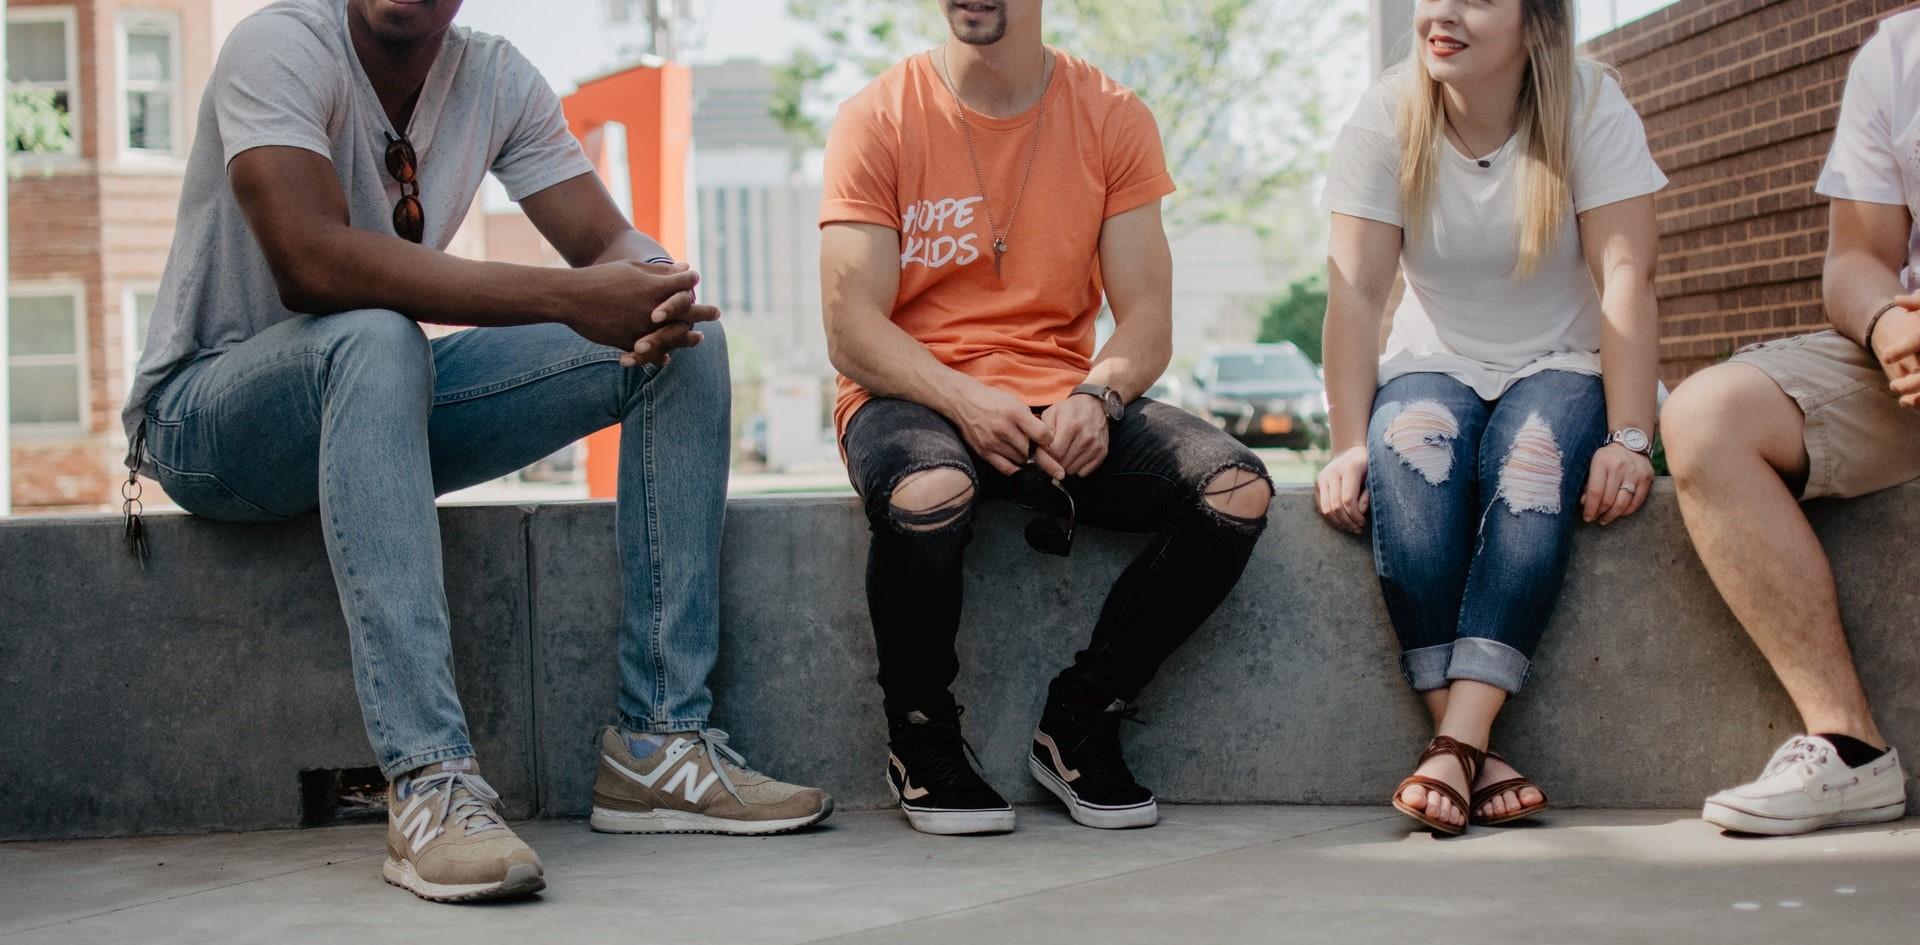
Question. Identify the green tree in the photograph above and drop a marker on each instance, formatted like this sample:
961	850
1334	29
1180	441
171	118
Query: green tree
1298	315
1234	84
35	125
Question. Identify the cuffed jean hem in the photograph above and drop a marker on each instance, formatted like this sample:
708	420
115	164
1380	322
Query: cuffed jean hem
398	767
1426	667
1489	661
662	728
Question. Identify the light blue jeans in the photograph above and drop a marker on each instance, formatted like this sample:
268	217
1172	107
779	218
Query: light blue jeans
359	415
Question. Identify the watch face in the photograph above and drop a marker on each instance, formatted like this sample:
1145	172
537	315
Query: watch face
1115	409
1635	440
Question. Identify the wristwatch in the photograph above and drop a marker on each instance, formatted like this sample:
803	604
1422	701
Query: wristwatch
1632	438
1108	397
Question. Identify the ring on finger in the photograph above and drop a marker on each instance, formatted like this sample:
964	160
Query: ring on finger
1628	488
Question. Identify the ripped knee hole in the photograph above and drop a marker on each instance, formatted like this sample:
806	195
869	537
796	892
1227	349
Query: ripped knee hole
1422	436
1530	476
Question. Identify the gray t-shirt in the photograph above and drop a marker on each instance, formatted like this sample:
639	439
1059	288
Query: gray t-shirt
288	76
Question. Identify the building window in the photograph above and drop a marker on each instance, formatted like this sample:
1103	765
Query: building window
42	54
46	351
1599	17
138	308
150	82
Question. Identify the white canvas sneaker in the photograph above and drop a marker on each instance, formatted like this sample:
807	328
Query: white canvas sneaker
1806	787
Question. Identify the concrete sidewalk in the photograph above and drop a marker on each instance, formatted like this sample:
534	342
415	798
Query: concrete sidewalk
1205	875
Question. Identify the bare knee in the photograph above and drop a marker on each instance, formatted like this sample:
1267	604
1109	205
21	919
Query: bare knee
1728	413
1240	493
931	498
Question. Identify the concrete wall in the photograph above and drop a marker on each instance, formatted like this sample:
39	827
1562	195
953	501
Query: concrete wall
190	696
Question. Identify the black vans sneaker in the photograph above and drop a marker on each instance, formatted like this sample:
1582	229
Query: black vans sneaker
938	790
1076	755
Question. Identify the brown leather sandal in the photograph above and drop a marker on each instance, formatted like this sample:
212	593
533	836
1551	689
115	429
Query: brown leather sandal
1516	785
1469	758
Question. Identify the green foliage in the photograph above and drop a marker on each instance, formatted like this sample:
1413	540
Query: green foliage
1298	315
35	125
1234	84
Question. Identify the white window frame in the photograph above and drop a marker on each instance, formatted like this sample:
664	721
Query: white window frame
174	87
57	289
65	15
130	326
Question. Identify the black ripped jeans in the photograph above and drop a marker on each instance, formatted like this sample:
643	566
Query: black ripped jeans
1160	462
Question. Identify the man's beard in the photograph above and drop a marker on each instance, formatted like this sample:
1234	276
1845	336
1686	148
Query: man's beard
984	35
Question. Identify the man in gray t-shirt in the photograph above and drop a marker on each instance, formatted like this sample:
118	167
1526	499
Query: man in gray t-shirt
339	145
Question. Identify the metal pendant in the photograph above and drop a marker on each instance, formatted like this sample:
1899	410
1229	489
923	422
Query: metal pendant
999	250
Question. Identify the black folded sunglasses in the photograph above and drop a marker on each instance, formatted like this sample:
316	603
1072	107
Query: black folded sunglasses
1052	532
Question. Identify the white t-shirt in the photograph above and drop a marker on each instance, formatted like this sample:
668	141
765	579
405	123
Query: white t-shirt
1464	314
288	76
1876	148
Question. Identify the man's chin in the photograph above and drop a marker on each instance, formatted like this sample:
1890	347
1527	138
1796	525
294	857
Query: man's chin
981	34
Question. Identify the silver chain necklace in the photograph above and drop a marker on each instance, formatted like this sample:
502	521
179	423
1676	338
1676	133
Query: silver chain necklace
973	157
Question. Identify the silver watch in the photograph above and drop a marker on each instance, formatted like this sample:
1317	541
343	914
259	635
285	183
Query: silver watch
1632	438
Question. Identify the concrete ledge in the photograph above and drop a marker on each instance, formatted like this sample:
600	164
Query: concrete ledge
189	697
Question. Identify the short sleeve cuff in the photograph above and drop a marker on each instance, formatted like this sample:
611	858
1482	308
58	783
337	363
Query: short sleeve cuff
522	186
843	210
1138	195
239	146
1389	216
1651	184
1840	187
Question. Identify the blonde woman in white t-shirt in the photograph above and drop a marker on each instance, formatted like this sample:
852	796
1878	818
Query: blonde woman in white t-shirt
1505	180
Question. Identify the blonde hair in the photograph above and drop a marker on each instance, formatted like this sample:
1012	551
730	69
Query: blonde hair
1544	131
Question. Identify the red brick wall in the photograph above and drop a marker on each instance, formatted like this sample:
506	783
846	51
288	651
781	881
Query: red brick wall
1740	98
104	221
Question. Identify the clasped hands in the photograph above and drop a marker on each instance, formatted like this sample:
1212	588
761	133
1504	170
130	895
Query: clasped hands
1068	438
647	310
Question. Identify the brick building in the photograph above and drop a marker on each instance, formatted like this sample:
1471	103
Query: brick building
1740	99
89	228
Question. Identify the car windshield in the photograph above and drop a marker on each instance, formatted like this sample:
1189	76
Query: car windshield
1281	364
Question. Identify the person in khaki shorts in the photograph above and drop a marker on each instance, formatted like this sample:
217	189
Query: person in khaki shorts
1830	414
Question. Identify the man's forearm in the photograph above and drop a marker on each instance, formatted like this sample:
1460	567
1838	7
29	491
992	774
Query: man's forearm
1135	356
350	269
632	244
1855	286
880	356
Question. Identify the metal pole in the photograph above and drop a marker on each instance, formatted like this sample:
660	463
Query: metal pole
1389	32
6	283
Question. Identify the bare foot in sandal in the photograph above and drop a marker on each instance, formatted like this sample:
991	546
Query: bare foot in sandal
1430	804
1512	797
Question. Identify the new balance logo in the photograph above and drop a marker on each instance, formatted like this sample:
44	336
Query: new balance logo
907	790
416	823
683	778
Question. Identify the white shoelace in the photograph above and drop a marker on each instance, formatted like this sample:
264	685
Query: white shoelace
474	810
1799	750
715	742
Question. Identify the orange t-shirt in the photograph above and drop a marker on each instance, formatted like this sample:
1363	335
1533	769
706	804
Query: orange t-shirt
897	157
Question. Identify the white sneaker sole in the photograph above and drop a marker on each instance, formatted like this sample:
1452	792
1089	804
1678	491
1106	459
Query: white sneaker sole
954	823
676	821
1094	815
1743	821
521	880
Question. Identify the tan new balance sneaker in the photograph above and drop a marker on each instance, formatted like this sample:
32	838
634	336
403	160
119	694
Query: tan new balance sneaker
691	782
447	842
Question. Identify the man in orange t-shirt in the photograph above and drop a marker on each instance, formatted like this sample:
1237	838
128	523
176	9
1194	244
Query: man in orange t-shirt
977	198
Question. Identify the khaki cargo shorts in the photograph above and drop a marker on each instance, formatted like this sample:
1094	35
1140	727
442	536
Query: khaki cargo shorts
1859	439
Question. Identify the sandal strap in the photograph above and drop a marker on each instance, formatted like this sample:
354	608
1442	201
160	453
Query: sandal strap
1515	785
1468	756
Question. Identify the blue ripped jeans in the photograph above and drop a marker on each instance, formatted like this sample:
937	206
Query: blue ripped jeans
1473	509
359	415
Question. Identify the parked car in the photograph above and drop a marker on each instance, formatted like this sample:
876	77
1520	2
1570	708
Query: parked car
1264	395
